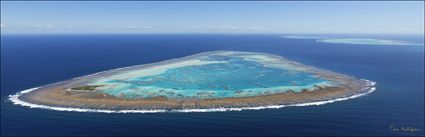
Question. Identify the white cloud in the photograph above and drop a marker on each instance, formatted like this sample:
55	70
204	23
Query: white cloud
46	26
253	28
223	28
135	27
191	27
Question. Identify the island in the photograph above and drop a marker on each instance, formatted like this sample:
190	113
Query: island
214	80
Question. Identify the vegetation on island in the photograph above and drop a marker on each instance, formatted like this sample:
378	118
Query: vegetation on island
88	87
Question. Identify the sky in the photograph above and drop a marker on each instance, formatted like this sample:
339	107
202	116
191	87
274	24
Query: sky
385	17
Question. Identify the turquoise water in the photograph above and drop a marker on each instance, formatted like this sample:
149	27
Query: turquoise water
233	75
364	41
353	40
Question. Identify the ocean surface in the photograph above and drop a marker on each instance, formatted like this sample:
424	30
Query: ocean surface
29	61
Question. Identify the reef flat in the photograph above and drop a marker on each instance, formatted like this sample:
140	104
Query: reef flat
216	79
356	41
364	41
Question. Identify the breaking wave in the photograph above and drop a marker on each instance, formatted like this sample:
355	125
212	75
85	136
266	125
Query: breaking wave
369	88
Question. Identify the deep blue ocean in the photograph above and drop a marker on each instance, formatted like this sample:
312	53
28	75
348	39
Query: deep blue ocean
29	61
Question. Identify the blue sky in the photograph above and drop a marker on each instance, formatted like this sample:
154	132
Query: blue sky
212	17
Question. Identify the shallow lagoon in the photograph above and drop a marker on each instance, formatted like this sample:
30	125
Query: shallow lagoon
363	41
355	41
216	75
